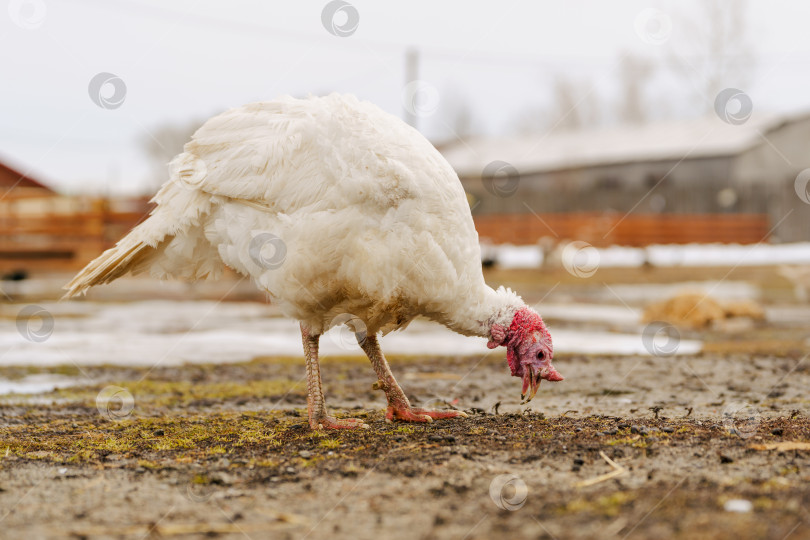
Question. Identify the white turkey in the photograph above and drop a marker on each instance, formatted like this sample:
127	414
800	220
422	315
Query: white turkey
340	212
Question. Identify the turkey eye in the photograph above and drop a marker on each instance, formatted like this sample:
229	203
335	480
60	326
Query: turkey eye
541	355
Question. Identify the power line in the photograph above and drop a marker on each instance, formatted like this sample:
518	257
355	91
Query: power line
501	58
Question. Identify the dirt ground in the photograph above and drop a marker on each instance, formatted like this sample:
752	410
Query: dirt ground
628	446
209	450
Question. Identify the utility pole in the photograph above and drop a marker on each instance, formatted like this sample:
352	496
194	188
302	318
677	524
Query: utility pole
411	75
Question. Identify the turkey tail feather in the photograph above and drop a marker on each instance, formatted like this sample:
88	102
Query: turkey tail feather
128	254
180	208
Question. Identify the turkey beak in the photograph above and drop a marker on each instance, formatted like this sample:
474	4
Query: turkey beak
531	382
532	378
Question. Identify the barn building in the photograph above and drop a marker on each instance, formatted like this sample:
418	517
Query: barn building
15	184
42	230
701	180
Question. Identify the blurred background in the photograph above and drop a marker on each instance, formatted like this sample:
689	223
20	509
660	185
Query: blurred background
628	139
633	124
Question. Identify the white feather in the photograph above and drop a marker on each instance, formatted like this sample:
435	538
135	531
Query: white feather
374	220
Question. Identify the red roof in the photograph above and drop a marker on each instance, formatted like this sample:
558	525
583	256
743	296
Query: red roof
12	178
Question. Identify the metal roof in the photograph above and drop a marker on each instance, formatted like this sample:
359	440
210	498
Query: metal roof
697	138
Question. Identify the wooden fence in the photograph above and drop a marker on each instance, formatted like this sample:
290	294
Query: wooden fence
68	241
62	241
601	229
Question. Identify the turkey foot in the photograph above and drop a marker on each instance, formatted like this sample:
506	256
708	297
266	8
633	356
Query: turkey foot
415	414
316	406
399	408
330	422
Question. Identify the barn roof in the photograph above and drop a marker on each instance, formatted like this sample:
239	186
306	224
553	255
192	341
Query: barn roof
685	139
11	178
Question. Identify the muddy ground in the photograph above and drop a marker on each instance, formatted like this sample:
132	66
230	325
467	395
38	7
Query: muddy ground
627	447
225	451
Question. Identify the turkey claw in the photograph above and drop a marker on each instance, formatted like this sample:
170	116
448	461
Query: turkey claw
330	422
409	414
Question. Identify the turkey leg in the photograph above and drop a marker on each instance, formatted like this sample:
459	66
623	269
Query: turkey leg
316	406
399	408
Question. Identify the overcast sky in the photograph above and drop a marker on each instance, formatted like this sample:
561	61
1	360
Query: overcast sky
187	60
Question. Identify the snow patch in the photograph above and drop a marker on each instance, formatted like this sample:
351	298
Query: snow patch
172	333
35	384
509	256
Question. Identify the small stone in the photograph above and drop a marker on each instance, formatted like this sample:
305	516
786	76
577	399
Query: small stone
290	470
306	454
742	506
668	429
436	438
611	431
222	479
578	430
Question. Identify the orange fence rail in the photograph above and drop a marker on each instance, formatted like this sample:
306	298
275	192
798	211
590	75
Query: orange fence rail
54	241
61	241
628	230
